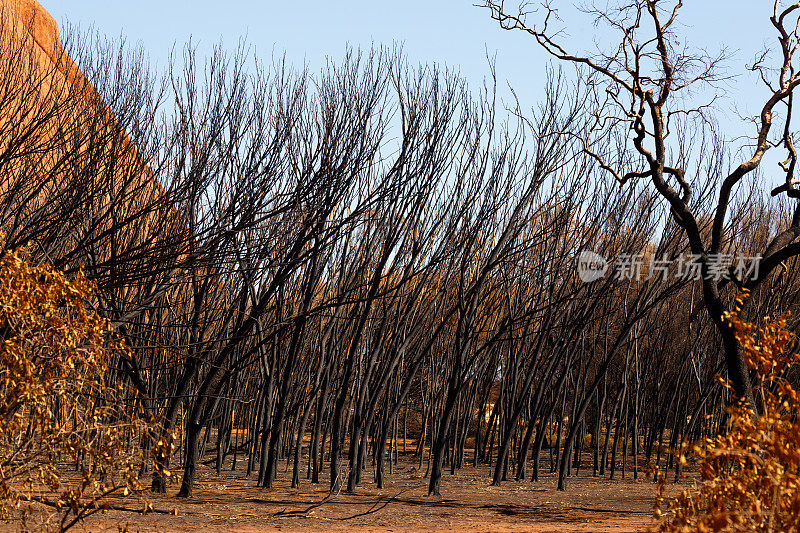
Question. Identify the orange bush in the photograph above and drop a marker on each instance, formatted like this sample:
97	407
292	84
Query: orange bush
65	424
749	476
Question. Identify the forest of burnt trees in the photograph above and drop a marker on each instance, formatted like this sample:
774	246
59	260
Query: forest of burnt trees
318	272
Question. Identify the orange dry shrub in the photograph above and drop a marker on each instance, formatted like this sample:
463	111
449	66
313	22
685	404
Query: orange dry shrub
750	476
68	431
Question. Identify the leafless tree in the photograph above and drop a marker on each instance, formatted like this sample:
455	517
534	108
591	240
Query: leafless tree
641	86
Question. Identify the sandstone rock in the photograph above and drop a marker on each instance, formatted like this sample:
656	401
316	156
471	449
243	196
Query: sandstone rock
37	21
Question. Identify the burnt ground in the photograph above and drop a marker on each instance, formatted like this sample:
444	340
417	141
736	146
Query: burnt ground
232	502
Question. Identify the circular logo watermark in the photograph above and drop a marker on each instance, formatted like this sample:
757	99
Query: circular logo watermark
591	266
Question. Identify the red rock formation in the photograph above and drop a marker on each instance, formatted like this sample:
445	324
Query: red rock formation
39	24
49	108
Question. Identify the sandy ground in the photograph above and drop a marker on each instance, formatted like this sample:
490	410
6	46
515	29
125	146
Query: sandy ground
468	504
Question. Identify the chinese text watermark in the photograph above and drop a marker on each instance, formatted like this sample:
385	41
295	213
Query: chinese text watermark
593	266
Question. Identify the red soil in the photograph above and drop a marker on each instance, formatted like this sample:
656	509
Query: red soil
468	504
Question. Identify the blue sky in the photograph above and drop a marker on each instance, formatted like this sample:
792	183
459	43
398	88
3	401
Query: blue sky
451	32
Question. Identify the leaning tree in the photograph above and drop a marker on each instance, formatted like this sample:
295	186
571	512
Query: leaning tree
643	87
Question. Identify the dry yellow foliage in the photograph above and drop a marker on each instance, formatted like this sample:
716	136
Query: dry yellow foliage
750	475
66	424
